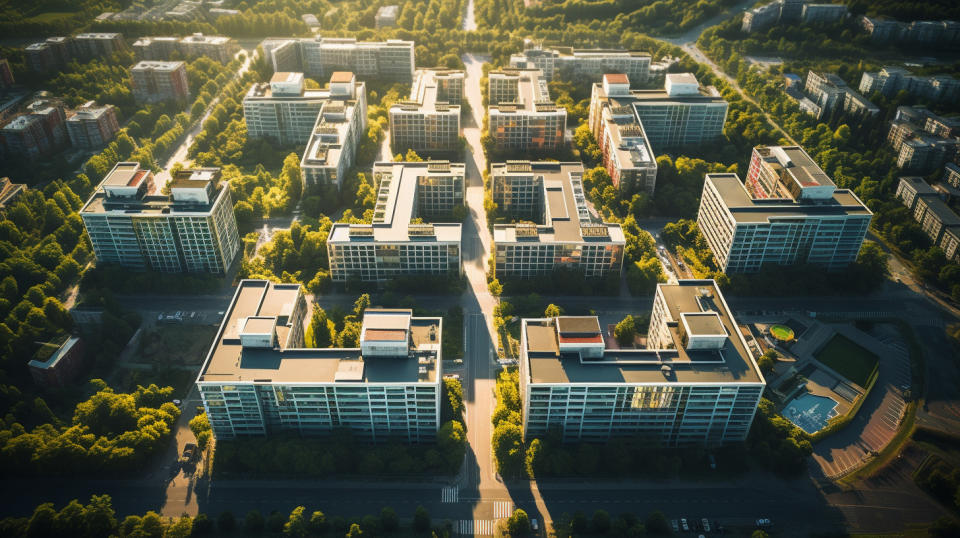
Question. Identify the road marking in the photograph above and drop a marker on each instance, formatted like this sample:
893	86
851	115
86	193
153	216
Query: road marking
450	494
502	509
476	527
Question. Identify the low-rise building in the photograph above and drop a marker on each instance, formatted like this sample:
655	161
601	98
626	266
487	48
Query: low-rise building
788	212
559	231
56	364
950	242
829	92
387	16
219	48
37	132
92	127
761	17
97	45
934	216
696	382
951	175
577	64
430	119
319	57
891	80
912	188
259	379
627	154
927	33
403	240
193	229
10	192
922	140
332	146
521	115
155	81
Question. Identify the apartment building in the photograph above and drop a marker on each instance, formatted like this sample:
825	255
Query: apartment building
950	242
934	216
332	146
97	44
683	113
696	382
49	55
823	13
951	175
193	229
627	154
57	363
891	80
258	379
392	59
156	48
386	16
760	17
155	81
219	48
911	188
282	110
521	115
922	140
558	230
40	130
788	212
92	127
927	33
578	64
402	240
430	119
829	92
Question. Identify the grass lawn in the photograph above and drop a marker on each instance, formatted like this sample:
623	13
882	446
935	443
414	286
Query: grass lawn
50	16
848	359
175	343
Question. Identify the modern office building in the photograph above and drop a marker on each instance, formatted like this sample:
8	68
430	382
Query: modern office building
317	58
577	64
40	130
333	142
92	127
788	212
387	16
403	240
282	110
155	81
430	119
683	113
557	230
97	45
259	379
193	229
696	382
627	154
521	115
57	363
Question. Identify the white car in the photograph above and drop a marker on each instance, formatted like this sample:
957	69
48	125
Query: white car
683	523
534	525
673	523
706	525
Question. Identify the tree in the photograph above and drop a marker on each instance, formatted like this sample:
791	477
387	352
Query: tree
601	522
495	288
518	524
552	311
276	522
625	331
759	533
226	522
421	519
767	361
296	524
99	518
253	523
656	523
534	459
355	531
319	332
508	449
389	522
42	521
318	523
202	524
361	305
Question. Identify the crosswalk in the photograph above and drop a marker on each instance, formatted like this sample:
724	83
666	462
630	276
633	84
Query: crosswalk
502	509
450	494
476	527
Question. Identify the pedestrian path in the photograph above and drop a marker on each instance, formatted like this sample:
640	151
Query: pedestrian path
502	509
476	527
450	494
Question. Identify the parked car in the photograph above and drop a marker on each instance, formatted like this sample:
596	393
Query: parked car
706	525
189	454
534	525
673	523
763	522
685	525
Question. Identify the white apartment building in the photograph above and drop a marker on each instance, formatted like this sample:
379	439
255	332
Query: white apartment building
577	64
561	231
282	110
332	145
627	154
789	212
192	229
392	59
696	383
387	16
394	244
259	380
430	119
219	48
521	115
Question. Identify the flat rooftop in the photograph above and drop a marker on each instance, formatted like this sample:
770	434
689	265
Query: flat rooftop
943	212
745	209
394	208
732	363
423	95
918	184
795	164
567	217
228	361
533	95
158	65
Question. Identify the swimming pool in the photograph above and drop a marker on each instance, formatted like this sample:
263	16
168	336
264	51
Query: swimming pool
810	412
